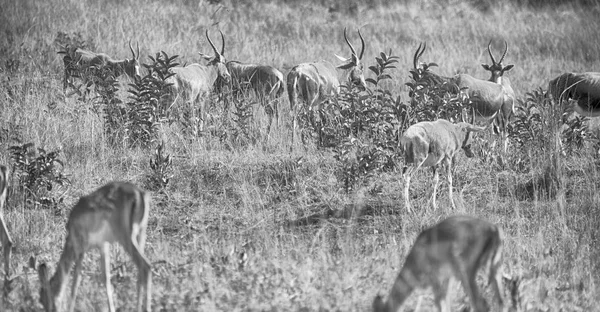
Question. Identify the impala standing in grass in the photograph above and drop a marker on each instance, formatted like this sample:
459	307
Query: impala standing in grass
315	82
83	63
265	81
429	144
491	99
456	247
4	235
195	81
116	212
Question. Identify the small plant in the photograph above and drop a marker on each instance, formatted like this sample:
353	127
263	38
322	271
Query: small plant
37	172
150	98
431	100
363	127
160	164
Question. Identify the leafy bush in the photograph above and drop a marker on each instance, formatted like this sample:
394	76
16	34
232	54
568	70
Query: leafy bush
37	172
361	126
150	98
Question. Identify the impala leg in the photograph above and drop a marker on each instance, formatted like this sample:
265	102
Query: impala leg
436	182
276	111
76	281
406	174
496	281
450	191
440	290
6	246
269	111
105	264
144	270
406	177
467	273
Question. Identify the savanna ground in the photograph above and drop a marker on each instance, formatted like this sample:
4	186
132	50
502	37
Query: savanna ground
235	228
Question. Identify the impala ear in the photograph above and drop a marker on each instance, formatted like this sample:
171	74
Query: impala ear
204	56
346	66
508	67
473	128
486	66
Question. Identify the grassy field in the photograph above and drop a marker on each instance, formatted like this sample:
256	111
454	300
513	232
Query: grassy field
230	231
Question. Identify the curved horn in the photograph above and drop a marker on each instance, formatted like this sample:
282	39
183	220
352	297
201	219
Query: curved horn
362	41
138	50
131	49
222	40
348	42
418	54
505	50
211	43
490	52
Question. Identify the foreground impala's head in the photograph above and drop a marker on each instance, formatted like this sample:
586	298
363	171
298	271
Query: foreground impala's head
218	60
497	69
353	63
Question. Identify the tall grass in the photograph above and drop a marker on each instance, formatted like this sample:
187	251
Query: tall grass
256	227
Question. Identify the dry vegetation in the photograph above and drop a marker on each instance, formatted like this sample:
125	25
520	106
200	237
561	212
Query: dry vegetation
252	226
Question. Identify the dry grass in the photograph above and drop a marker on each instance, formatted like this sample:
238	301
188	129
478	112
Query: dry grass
224	203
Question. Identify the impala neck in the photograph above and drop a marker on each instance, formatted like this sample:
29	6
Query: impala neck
401	290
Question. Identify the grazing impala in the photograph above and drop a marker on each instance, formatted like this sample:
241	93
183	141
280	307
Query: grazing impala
265	81
493	98
4	235
79	63
581	87
195	81
456	247
429	144
317	81
116	212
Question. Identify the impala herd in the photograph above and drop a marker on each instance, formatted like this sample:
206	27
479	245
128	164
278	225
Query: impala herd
456	247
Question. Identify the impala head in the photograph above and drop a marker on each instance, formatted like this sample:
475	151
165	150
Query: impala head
497	68
353	63
466	128
132	66
218	60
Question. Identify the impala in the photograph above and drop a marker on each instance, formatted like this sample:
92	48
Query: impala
429	144
457	247
194	81
82	63
116	212
265	81
581	87
491	99
317	81
4	235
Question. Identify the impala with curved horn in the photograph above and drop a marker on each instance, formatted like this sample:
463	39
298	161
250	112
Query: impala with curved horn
493	98
265	81
79	63
317	81
195	80
581	87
